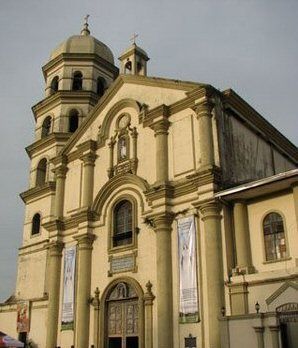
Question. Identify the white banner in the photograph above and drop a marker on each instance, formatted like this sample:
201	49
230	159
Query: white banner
189	307
68	288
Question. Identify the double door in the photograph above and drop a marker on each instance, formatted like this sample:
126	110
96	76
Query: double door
123	324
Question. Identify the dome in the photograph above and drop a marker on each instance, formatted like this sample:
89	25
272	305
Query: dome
84	44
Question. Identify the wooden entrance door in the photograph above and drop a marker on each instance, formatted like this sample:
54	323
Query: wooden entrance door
123	319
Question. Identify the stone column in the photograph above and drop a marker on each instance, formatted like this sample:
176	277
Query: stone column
242	240
54	272
161	135
83	290
203	110
88	178
210	215
259	330
134	136
162	226
275	335
148	301
96	305
111	145
60	172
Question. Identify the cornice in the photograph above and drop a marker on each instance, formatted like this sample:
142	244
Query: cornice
54	225
206	176
64	97
36	192
234	102
92	57
158	191
46	142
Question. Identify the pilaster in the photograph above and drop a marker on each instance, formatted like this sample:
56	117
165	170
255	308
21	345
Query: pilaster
242	240
162	227
210	215
259	330
148	302
239	298
274	329
96	305
60	175
88	177
83	289
160	128
203	109
295	197
53	272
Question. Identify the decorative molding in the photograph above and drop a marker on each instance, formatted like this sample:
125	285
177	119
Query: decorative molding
280	290
45	142
36	192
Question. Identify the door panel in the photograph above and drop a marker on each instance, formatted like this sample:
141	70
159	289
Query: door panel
123	325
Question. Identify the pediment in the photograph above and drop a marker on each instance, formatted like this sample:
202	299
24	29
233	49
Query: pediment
127	91
287	292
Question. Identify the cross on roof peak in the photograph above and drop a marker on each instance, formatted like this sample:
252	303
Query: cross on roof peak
133	38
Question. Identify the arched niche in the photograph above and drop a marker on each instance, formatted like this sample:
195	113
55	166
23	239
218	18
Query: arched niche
115	109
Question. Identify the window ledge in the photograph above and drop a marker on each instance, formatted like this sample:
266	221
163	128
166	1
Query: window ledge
277	260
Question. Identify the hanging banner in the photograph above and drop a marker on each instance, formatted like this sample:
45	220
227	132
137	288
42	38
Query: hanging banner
189	307
23	316
68	289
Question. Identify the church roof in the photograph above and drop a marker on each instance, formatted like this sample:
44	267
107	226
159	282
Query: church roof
84	43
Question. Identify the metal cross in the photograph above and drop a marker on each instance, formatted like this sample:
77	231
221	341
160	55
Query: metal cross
133	39
86	18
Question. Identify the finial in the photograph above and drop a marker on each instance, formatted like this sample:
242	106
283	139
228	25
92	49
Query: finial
133	38
85	31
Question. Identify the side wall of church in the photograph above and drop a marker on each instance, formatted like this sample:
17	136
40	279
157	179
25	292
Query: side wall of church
245	154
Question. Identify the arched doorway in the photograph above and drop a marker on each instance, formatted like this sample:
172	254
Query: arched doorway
287	315
123	315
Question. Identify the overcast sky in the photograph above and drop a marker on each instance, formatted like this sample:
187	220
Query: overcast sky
250	46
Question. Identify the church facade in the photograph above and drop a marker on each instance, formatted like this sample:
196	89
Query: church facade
160	213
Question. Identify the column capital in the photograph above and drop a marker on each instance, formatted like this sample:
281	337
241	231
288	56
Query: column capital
210	210
259	329
55	248
274	327
161	126
148	296
88	158
203	107
60	171
163	221
85	241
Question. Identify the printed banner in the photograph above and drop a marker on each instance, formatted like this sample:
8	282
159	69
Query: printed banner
23	316
189	307
68	288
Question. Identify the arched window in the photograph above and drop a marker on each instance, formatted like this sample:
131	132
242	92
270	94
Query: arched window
73	121
122	234
41	172
101	85
54	84
46	126
77	84
127	67
274	237
35	224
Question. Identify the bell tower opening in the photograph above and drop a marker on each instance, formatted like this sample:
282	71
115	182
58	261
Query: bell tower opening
134	60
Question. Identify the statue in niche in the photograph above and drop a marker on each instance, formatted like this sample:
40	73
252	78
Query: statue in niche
122	148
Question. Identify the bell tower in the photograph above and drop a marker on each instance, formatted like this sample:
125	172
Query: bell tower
76	76
134	60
